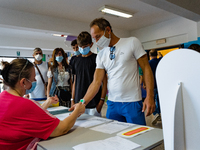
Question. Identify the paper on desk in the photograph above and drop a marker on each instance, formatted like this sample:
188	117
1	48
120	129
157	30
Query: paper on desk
86	123
62	116
112	127
113	143
57	108
129	133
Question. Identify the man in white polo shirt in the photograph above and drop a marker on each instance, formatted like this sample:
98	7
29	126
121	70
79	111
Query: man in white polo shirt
119	58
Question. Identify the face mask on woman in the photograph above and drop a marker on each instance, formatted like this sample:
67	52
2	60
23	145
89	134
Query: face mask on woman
38	57
34	83
103	42
59	58
84	51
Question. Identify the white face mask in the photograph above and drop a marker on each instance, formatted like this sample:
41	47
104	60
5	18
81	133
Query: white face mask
38	57
103	42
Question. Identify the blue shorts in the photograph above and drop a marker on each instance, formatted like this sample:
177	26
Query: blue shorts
130	112
39	99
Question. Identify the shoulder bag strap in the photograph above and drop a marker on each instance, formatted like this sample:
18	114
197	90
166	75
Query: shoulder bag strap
39	73
53	76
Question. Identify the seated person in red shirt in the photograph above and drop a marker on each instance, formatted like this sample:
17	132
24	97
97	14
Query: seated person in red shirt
23	122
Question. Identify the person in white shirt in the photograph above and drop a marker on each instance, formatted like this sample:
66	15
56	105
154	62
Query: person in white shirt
119	58
39	91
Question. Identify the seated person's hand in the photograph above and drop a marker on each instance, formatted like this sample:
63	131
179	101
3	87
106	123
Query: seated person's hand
79	108
53	100
26	96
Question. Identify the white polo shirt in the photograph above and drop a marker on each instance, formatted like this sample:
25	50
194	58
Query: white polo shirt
123	74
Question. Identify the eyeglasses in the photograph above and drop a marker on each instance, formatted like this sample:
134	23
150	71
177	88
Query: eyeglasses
112	55
23	67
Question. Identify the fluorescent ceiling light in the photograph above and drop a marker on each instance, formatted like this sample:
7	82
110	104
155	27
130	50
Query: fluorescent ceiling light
114	11
60	35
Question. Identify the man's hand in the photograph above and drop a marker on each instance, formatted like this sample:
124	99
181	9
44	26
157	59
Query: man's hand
72	107
149	106
143	86
99	106
72	103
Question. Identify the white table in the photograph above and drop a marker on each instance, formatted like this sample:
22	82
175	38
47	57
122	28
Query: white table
79	135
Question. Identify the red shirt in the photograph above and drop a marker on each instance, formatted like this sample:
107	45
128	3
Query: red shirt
23	122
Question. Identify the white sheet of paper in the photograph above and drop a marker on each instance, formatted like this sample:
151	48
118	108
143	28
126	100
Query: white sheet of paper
113	143
62	116
112	127
56	108
91	122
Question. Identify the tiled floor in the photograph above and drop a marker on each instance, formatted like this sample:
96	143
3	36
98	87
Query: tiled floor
148	122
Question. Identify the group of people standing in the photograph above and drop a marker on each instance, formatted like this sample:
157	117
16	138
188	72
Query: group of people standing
57	74
69	82
85	83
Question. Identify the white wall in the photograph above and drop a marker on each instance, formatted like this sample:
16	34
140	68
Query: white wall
30	43
23	53
176	31
198	28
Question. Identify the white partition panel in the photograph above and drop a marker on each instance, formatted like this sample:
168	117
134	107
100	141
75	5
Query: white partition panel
178	80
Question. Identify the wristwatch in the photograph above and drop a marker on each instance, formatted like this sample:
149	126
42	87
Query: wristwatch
72	99
103	99
82	101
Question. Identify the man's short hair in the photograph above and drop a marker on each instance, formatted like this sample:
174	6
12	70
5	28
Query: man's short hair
37	49
101	23
153	52
84	38
195	47
74	42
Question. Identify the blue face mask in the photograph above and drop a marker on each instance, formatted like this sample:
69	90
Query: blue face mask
59	58
77	53
34	83
84	51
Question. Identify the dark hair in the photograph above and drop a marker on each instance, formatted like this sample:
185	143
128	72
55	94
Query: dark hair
195	47
84	38
153	52
101	23
74	42
64	63
15	71
66	55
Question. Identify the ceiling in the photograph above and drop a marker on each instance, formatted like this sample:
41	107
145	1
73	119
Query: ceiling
87	10
146	12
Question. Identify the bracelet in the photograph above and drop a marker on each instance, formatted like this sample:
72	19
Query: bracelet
82	101
103	99
72	99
